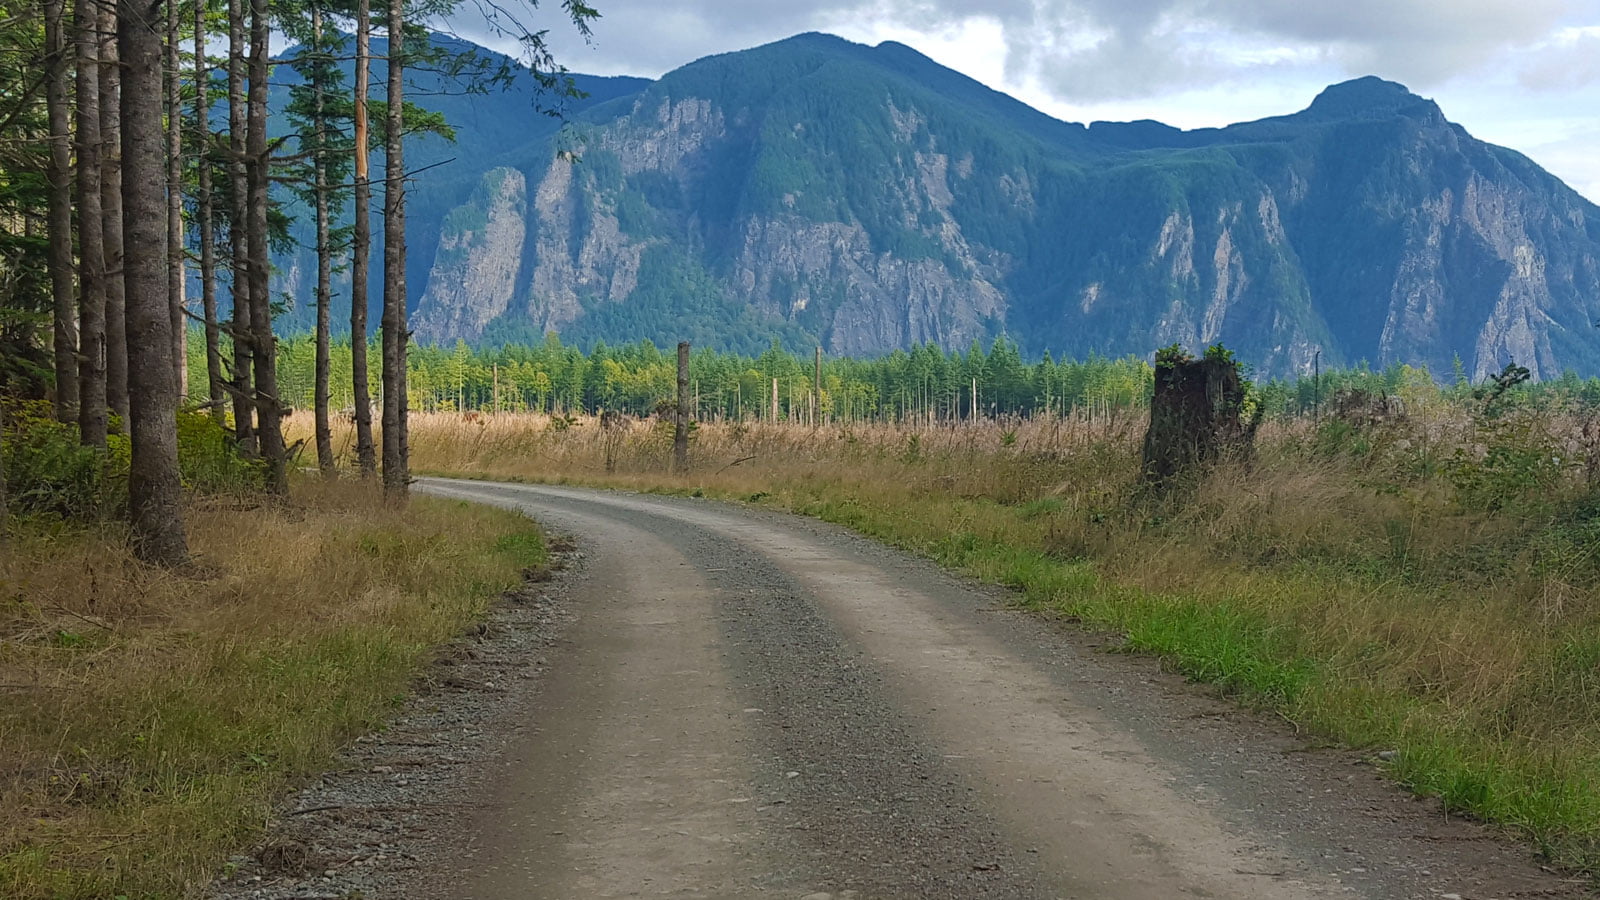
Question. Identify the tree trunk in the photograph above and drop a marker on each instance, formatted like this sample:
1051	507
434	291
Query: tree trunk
264	356
680	427
208	236
361	249
59	228
1194	416
175	274
154	489
92	404
5	517
240	329
111	176
395	476
324	431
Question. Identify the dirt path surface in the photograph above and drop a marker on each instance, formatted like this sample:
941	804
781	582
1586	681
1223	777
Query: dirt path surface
747	704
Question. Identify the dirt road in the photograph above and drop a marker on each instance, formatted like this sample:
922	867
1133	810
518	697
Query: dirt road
751	705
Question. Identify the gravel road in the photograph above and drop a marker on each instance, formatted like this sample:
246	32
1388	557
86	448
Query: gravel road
748	704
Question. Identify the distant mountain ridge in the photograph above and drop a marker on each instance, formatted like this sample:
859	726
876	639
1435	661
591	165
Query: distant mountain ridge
867	198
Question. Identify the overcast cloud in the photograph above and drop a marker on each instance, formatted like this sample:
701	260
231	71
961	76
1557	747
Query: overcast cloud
1525	73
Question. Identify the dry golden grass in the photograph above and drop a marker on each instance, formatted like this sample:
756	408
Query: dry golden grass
1429	585
148	718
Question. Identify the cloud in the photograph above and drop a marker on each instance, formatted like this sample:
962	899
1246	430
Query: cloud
1568	61
1096	50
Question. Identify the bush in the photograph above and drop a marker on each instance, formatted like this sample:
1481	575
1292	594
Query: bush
208	460
48	473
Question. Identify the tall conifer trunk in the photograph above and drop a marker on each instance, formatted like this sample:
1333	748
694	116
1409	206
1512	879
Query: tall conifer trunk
59	222
111	177
175	268
154	490
263	346
319	165
92	403
240	328
205	212
361	248
395	476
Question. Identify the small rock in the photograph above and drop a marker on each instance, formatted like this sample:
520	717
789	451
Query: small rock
1389	756
1449	897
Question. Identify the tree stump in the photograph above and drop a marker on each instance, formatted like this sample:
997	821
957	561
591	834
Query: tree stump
1195	414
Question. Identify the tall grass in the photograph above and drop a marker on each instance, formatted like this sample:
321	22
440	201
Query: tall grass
148	718
1428	584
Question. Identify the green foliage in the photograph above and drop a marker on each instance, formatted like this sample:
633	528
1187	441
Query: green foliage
208	460
1514	469
48	473
1172	355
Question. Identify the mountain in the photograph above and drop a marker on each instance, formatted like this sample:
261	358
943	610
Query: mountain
868	199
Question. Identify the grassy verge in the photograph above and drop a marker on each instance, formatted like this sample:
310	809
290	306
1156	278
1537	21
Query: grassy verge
148	720
1369	593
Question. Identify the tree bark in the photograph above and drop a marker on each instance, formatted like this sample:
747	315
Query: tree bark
239	281
59	222
175	268
154	489
361	249
205	213
92	404
319	164
111	176
264	356
395	476
5	517
1194	416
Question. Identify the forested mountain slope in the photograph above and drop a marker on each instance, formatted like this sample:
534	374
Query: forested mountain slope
869	199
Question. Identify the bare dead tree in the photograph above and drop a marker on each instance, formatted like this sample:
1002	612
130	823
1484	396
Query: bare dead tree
154	489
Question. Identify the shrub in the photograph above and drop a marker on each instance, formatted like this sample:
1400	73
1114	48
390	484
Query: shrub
49	473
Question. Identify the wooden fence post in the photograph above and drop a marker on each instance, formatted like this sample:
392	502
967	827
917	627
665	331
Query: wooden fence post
816	390
680	430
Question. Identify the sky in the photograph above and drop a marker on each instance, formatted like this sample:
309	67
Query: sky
1521	73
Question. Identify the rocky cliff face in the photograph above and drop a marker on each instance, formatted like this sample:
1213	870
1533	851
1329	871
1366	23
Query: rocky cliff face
475	268
869	200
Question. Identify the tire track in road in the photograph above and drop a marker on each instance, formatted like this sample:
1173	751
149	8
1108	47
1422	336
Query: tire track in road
875	729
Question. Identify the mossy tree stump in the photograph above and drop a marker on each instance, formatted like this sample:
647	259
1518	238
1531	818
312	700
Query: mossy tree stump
1196	413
